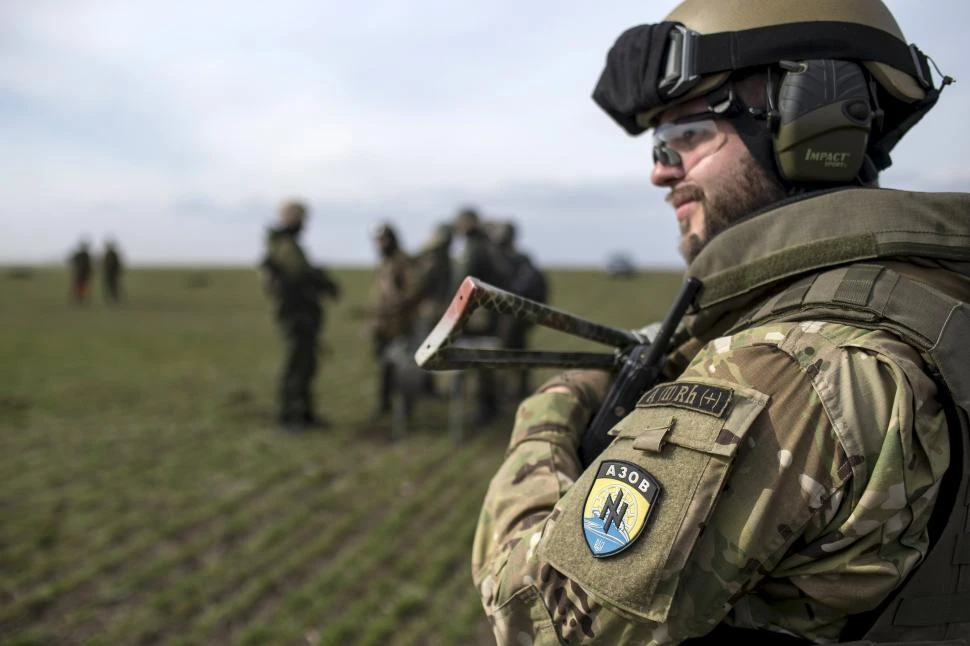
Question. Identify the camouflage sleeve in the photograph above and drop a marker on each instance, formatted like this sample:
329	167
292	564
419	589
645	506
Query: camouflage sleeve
789	477
540	465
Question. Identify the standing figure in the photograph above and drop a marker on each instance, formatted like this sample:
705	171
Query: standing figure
396	302
111	269
81	270
434	278
434	286
800	473
478	257
296	288
525	279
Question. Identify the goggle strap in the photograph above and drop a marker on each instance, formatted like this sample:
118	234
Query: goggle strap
735	50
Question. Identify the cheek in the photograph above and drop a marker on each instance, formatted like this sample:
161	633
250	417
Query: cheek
722	169
724	162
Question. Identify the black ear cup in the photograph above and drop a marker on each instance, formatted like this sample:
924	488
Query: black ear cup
824	120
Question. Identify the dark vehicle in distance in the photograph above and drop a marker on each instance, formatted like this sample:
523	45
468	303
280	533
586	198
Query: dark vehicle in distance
620	265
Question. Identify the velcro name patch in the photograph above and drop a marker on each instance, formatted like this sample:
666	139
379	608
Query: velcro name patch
700	398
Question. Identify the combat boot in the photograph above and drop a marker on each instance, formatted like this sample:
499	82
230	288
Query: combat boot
316	422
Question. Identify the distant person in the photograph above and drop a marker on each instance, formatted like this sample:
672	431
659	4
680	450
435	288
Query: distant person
524	279
477	256
111	269
433	268
435	289
81	270
296	287
393	329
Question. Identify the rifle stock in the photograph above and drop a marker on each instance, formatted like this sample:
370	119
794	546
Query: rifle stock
441	351
639	371
636	360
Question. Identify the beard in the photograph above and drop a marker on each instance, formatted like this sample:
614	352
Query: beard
729	201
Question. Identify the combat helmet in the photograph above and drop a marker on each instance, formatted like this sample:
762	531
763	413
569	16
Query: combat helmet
292	213
845	76
466	220
384	230
503	233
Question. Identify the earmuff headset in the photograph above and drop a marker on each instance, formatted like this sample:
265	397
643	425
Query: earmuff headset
820	121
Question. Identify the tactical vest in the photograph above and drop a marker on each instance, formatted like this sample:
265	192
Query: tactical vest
821	260
933	605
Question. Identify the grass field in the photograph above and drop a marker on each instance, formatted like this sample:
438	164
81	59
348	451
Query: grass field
146	496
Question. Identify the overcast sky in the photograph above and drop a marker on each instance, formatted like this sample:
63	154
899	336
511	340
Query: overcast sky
178	126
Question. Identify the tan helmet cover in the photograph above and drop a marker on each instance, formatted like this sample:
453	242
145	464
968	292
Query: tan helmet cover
292	212
467	219
716	16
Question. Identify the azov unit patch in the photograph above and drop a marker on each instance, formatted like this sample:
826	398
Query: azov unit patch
617	507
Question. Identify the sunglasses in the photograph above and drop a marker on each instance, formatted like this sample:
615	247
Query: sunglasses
693	134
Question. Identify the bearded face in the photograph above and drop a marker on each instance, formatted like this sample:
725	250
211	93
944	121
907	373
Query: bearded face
724	200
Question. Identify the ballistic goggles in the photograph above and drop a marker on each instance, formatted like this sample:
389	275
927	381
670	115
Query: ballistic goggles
694	134
651	67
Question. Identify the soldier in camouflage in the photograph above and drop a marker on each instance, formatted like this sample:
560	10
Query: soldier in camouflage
434	287
786	478
434	278
296	288
395	295
478	257
81	270
111	268
525	279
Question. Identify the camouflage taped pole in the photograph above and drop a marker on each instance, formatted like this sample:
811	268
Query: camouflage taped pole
441	350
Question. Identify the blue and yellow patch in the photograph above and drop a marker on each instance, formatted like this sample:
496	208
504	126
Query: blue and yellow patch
617	507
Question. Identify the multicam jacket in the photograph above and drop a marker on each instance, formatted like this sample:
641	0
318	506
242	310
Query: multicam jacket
782	480
395	292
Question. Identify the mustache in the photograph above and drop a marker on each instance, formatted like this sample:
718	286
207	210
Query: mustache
687	193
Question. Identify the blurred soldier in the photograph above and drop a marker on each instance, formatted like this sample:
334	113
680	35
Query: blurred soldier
81	270
296	287
525	279
434	280
478	257
434	277
111	270
395	291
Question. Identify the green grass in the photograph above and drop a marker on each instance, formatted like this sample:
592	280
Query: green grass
147	497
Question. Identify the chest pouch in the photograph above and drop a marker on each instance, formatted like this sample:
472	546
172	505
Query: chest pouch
629	524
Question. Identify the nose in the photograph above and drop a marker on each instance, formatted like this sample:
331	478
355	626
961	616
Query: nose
662	175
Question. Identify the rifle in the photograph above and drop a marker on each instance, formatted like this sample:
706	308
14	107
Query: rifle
636	360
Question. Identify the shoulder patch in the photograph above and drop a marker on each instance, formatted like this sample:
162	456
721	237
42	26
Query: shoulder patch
617	507
701	398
